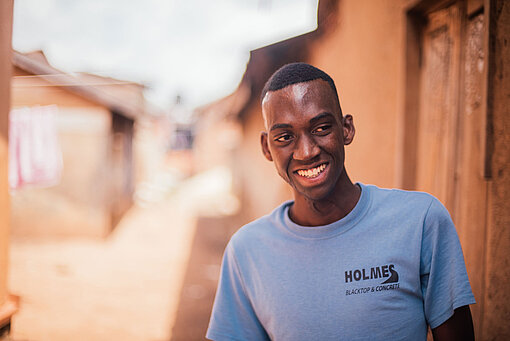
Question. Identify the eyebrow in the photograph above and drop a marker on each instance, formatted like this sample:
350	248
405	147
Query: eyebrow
280	126
312	121
321	116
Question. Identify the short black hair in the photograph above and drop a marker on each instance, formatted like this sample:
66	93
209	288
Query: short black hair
297	73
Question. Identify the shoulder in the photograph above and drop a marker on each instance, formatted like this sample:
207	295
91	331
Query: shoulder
411	206
400	198
260	229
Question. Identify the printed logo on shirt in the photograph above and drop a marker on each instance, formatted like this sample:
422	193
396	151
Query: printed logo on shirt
386	272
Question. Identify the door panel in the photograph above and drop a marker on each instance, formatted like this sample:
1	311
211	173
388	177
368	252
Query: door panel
471	187
438	112
451	126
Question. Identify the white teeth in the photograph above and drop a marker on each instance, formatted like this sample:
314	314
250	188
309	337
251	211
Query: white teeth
312	173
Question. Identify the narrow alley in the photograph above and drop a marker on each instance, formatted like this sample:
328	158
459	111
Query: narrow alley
127	287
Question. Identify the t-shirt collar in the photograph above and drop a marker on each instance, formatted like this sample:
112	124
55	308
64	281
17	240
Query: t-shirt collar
330	230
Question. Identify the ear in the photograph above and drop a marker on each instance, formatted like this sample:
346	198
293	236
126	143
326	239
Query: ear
265	146
348	129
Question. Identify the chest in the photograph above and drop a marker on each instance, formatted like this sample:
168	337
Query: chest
346	284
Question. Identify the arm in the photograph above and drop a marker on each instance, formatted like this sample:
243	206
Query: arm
458	327
233	316
445	284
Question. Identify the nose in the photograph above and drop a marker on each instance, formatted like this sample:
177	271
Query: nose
306	149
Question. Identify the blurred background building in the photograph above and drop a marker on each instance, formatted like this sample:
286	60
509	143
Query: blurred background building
83	129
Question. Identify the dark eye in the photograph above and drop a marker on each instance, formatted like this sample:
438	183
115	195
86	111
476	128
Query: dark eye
283	138
323	129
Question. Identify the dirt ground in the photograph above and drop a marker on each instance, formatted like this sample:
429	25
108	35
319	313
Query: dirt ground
199	286
153	278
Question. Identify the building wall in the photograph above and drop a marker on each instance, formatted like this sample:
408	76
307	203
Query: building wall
262	189
120	176
497	271
28	90
80	204
6	8
363	54
216	137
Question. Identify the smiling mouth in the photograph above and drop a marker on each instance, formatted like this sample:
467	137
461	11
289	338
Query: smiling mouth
312	172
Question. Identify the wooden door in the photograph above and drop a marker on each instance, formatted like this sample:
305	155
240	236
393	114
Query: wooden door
438	110
471	177
450	112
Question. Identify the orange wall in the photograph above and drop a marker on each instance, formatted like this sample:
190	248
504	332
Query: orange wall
497	270
363	56
6	8
262	189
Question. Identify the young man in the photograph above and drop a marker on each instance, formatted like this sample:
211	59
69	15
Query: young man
342	261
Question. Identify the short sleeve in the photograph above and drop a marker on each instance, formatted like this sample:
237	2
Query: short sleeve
233	317
444	280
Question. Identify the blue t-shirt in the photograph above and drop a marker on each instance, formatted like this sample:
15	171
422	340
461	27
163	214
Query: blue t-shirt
388	269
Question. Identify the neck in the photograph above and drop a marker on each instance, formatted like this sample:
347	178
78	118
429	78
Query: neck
341	201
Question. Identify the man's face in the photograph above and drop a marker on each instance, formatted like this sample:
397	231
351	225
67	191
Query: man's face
305	137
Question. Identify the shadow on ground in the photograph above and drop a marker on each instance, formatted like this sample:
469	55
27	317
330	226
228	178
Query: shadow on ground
201	278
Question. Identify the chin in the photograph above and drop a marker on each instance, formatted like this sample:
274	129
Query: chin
320	194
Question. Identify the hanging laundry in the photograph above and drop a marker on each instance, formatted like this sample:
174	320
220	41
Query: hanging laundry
35	156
